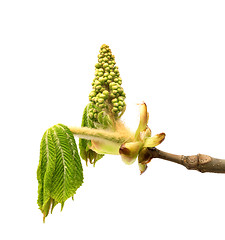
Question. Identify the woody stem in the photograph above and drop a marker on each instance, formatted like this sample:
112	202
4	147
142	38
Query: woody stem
200	162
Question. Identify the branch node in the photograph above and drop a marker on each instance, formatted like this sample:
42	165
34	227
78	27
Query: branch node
191	162
203	159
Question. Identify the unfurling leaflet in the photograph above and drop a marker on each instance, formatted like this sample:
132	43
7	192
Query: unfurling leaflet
59	172
84	145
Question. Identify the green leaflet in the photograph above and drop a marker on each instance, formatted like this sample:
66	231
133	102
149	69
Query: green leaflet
59	172
85	152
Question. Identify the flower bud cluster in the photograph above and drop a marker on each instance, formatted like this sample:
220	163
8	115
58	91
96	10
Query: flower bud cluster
107	95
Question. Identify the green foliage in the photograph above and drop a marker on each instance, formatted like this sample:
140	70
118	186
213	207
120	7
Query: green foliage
85	152
60	172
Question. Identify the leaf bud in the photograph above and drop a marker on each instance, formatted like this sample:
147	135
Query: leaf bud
155	140
142	167
129	151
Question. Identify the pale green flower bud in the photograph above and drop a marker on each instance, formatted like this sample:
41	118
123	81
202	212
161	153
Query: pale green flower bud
121	103
115	109
97	65
120	90
114	87
114	100
98	87
106	74
97	82
106	93
100	100
120	98
105	65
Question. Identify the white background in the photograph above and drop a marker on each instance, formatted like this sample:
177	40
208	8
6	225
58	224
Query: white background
171	54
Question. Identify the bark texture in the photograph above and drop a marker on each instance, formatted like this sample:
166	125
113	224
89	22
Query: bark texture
200	162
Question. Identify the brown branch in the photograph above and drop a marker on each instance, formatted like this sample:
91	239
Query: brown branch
200	162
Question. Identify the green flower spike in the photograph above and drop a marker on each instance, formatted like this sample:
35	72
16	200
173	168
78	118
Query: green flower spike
107	105
107	96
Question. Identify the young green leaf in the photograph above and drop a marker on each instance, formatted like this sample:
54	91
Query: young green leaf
84	145
60	172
